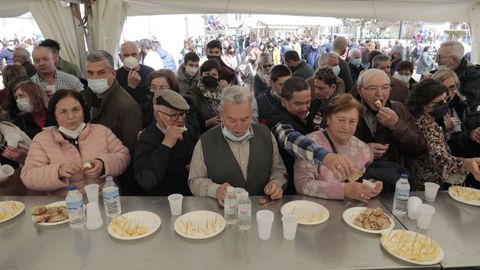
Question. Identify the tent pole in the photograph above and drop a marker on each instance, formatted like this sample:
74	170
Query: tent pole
475	28
79	31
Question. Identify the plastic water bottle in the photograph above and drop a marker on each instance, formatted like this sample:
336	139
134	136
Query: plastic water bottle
76	209
244	211
230	206
111	198
402	192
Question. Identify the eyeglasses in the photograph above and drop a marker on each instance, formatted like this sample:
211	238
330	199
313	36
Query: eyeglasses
175	116
452	88
439	57
373	88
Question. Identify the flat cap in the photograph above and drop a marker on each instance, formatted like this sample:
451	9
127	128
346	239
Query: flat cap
171	99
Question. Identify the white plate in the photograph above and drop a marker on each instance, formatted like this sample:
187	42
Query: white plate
6	204
305	210
148	219
463	200
438	259
351	214
199	219
59	203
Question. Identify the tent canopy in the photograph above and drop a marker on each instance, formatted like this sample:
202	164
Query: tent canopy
415	10
425	10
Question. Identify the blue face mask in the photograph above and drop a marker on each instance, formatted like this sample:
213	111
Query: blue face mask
234	138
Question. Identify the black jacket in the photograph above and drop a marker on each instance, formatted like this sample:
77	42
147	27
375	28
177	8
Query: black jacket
160	170
469	76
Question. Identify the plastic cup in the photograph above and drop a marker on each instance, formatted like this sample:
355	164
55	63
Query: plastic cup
175	201
431	190
92	192
424	217
94	217
289	227
412	207
12	139
264	222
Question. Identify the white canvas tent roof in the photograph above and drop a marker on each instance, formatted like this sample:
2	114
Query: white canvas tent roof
416	10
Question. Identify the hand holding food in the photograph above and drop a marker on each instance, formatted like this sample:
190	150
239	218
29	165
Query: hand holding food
274	190
66	170
95	170
387	117
172	135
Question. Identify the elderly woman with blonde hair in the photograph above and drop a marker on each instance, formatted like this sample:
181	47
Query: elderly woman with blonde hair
462	137
342	115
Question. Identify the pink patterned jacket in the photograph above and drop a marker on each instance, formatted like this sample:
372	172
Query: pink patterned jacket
319	181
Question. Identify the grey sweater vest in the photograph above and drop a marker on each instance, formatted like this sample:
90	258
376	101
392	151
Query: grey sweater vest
223	167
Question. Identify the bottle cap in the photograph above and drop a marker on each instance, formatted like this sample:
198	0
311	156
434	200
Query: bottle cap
72	187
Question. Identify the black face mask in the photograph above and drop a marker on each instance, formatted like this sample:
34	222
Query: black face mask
440	111
211	57
209	81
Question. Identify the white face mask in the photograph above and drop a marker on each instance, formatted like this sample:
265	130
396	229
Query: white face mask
336	70
98	86
356	61
191	71
130	62
24	105
73	134
403	78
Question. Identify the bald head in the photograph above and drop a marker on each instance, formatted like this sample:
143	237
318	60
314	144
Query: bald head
127	49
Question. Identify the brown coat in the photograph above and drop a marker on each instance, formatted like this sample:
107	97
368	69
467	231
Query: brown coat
405	140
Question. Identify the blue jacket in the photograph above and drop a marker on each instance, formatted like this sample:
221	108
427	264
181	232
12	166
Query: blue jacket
168	60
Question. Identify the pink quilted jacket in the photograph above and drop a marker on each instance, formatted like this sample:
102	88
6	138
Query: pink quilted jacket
49	150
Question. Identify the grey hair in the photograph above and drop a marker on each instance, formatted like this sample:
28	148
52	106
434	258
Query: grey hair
368	74
236	95
100	55
354	50
380	58
24	52
456	48
323	61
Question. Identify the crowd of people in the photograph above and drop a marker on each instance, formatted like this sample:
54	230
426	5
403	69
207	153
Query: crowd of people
301	118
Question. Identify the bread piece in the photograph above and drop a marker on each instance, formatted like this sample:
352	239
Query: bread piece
183	129
355	175
378	103
39	210
87	165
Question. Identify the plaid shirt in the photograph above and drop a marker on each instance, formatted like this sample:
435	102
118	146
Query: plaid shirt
298	145
371	121
62	81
